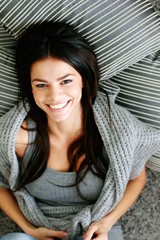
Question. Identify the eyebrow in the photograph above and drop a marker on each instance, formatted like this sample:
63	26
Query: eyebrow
58	79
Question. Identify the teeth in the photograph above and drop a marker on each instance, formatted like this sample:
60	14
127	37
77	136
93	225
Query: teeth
57	106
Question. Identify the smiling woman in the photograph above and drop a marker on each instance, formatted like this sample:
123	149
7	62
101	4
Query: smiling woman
72	160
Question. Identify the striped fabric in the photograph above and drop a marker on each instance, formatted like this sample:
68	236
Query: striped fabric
8	81
6	39
140	94
121	32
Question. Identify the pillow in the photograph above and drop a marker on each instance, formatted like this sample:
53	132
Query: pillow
8	77
140	94
6	40
121	32
156	5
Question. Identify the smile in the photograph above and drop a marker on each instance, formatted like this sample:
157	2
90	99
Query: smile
58	106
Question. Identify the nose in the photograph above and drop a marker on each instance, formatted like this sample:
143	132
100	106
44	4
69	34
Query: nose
54	92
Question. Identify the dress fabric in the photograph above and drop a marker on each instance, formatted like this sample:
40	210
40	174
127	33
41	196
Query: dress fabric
58	188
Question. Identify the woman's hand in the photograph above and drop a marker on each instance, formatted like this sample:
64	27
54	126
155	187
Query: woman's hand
42	233
97	230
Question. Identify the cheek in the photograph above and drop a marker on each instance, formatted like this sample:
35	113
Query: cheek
76	93
79	91
33	92
36	95
39	98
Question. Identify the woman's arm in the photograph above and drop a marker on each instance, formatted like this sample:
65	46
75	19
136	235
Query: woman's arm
9	205
133	190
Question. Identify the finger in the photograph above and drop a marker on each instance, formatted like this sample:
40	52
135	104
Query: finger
100	237
58	234
90	232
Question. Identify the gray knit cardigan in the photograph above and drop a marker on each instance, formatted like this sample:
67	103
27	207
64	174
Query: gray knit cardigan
128	142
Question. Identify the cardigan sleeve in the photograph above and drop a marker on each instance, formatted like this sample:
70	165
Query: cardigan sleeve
9	164
3	182
4	170
139	139
147	143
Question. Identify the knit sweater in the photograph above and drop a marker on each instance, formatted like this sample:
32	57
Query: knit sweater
129	143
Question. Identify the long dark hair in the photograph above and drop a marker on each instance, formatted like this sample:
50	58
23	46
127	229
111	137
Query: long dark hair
59	40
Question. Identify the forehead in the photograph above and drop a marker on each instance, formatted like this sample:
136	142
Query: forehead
52	68
52	65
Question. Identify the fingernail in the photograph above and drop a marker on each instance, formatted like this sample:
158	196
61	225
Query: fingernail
65	233
86	238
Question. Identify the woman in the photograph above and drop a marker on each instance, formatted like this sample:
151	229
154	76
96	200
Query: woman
72	161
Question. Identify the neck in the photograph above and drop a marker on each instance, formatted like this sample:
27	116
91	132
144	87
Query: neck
62	130
66	129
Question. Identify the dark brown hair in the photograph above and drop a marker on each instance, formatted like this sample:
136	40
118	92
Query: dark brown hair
59	40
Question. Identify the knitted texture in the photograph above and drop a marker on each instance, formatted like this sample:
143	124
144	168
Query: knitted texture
128	142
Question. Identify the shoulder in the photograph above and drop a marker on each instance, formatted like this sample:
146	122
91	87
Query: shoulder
21	140
10	123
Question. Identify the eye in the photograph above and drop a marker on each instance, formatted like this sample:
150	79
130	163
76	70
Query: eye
41	85
66	81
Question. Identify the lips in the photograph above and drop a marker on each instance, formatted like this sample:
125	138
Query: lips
58	106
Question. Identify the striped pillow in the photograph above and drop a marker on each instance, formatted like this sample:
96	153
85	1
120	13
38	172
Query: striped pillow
9	84
8	76
6	39
140	94
121	32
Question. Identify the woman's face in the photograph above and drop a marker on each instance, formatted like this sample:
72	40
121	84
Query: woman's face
57	89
